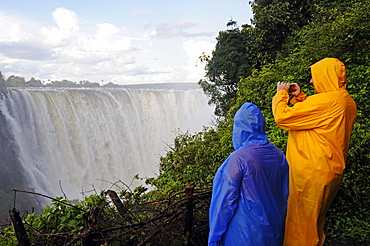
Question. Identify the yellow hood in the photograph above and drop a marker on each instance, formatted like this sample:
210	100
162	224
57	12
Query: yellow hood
329	74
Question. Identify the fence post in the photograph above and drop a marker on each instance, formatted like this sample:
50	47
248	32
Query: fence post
189	189
117	202
19	229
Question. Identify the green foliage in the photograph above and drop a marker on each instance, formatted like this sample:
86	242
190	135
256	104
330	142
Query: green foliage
58	218
259	89
8	237
274	22
341	32
193	160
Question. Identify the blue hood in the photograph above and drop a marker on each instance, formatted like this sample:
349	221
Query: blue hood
249	126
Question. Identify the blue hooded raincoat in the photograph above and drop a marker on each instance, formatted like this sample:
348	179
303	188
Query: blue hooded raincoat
250	189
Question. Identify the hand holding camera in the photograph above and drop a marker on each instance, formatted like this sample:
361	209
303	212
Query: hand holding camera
292	88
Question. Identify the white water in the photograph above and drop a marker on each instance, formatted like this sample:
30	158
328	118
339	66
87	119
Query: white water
87	139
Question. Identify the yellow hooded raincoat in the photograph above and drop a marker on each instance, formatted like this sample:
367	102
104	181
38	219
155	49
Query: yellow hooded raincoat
319	134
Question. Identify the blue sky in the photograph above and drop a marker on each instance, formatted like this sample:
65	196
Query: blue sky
124	42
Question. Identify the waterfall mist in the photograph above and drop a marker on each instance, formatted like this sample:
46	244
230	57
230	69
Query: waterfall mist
64	140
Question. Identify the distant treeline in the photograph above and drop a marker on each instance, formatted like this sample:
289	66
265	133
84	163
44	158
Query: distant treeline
16	81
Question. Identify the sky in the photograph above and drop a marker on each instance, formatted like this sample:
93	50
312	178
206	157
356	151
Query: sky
118	41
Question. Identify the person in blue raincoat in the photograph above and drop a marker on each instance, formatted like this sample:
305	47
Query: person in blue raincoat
250	189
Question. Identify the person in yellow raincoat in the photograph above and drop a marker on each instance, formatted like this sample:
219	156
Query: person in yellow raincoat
319	134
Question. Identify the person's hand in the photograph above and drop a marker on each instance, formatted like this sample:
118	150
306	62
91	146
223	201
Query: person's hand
296	89
285	86
282	86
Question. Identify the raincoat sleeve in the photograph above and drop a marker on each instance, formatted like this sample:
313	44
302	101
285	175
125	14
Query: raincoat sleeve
299	98
225	196
309	114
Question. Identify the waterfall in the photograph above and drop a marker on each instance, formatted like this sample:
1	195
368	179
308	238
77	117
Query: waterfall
69	141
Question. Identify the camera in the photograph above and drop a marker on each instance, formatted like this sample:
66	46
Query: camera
291	88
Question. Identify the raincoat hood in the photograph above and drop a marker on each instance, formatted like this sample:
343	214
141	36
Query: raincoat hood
328	74
249	126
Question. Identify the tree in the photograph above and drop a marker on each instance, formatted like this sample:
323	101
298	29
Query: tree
16	81
275	21
34	82
229	62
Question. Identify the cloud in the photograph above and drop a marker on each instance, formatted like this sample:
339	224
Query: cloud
67	25
18	43
67	20
106	30
25	49
194	50
65	48
11	28
97	51
175	29
9	31
70	43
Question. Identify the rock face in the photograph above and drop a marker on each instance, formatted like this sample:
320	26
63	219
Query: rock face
12	175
